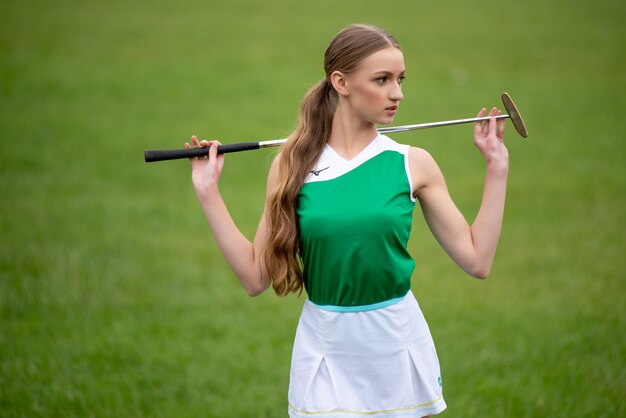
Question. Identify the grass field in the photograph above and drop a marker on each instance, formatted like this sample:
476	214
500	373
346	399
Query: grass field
114	299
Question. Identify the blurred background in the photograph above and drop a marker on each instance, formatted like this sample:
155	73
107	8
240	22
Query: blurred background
115	300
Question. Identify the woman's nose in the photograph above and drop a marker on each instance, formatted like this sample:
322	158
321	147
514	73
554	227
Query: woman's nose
396	92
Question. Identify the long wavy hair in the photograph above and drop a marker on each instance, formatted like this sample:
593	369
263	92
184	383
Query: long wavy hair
304	146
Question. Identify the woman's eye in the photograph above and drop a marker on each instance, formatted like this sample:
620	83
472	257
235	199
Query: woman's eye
384	79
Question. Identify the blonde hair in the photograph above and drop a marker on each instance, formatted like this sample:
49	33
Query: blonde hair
303	148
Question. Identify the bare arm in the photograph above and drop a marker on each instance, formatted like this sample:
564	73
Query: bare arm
243	256
471	247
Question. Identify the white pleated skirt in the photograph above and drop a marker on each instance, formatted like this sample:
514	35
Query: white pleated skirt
379	363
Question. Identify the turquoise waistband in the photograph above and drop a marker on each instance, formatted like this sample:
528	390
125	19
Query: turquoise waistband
361	308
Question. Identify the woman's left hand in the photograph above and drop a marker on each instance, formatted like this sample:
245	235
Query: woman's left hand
489	138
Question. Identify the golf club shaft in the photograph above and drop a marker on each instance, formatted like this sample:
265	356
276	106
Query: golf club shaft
174	154
404	128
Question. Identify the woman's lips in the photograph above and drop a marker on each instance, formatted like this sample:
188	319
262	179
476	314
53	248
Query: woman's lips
392	109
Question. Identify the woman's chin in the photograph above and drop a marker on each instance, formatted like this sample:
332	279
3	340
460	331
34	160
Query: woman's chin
385	121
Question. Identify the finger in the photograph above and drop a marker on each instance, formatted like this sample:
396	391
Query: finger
216	144
213	150
485	125
187	146
194	139
501	125
492	121
478	126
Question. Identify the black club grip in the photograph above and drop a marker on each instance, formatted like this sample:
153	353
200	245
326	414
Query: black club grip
152	155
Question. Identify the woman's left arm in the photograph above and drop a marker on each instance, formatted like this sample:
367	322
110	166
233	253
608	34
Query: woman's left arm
472	247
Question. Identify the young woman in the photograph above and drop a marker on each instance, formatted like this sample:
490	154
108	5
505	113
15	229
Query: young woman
340	198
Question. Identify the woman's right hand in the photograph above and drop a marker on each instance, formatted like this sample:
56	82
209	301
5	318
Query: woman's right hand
206	171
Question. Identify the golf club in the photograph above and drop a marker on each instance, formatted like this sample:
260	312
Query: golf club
174	154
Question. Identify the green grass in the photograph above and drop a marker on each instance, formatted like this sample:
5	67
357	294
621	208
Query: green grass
114	299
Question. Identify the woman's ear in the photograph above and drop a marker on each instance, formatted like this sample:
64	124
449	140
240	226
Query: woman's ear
340	83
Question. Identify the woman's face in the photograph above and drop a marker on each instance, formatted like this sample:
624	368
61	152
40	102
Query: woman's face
374	89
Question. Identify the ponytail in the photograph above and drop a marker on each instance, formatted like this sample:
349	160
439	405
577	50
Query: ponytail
303	148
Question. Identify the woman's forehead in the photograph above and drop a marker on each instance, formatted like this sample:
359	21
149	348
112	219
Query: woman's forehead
385	60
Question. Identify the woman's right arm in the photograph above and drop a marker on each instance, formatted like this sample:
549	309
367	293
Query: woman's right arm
243	256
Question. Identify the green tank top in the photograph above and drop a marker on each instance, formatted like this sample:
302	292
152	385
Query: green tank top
354	219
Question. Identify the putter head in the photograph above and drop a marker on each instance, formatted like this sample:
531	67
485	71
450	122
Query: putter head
514	114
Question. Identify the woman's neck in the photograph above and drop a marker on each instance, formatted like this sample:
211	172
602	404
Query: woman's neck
350	134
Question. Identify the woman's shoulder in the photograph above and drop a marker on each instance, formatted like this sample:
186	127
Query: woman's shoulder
420	155
423	167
